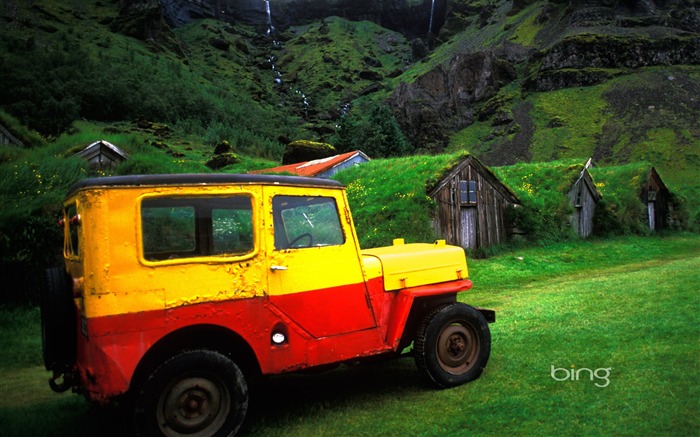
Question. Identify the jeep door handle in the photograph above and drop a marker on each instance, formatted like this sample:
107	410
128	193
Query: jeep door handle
273	268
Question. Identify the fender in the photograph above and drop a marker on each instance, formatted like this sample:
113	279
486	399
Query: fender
404	303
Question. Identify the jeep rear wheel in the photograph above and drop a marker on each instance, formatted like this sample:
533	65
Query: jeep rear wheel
452	345
196	393
58	323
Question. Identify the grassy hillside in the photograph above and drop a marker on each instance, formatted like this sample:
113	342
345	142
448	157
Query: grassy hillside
646	116
334	61
638	114
62	62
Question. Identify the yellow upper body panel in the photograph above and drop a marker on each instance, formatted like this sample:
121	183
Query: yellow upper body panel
117	278
118	274
314	265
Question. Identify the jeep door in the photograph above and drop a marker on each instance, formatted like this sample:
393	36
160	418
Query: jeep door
315	275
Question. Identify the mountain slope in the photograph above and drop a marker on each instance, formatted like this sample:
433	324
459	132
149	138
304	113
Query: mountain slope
591	80
508	81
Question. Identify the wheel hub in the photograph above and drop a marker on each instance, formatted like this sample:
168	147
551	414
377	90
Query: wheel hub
193	406
456	348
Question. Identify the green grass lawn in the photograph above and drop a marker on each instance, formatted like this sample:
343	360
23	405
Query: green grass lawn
622	312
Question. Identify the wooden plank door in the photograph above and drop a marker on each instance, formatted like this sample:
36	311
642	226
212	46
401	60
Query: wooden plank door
469	224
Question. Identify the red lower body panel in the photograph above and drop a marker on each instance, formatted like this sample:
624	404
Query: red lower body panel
329	326
113	347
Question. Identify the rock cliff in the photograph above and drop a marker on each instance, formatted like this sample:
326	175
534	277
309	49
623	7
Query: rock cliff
442	100
590	59
576	44
405	16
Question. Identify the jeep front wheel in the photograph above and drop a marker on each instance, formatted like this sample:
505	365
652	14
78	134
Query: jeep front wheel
452	345
196	393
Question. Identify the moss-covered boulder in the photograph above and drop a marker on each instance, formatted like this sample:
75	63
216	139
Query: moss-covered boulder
303	150
220	161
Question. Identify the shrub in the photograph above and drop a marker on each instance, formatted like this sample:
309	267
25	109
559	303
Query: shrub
30	240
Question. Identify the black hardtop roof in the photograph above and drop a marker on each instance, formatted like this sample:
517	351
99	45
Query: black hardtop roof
199	179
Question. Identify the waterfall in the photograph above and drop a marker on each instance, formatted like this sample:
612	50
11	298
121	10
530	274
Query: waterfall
275	44
272	59
270	27
432	12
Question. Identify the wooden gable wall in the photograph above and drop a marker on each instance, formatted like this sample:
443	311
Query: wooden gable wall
583	197
359	158
481	223
7	138
657	198
102	155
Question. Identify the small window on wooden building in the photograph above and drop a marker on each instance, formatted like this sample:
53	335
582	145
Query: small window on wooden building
467	192
579	194
651	196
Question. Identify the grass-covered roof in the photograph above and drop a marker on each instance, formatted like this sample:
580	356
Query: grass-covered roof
621	179
534	179
388	197
542	188
622	211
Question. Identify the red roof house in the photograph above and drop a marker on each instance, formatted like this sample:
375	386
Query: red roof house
320	168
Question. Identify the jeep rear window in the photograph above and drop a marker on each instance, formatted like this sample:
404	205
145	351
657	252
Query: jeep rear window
183	227
70	214
306	222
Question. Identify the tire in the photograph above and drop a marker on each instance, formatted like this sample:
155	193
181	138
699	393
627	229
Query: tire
58	321
452	345
195	393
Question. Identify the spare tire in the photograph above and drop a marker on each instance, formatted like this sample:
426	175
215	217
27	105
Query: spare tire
58	321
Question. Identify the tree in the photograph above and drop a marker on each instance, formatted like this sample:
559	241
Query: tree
378	135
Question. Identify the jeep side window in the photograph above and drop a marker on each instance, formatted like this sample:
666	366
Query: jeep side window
301	221
181	227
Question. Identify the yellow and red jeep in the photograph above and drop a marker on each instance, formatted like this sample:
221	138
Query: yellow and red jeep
177	290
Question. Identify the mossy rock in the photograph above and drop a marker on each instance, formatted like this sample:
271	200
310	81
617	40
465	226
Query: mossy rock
304	150
222	148
220	161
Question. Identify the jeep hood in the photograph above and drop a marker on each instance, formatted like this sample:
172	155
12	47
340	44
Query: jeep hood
416	264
